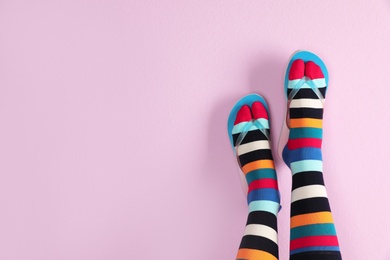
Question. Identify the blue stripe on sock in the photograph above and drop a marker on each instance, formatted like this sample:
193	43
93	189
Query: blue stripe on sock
264	194
315	248
264	205
237	129
260	174
305	132
325	229
306	165
307	153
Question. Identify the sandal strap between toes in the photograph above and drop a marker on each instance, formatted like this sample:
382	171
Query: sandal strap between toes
246	129
311	84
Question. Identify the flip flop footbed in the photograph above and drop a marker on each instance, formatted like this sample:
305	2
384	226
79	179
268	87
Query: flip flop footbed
246	100
305	56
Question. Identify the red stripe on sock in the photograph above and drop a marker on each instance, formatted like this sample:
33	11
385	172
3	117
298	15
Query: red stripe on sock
313	241
304	142
263	183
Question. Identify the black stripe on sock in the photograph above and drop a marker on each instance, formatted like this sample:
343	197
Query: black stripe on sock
301	179
306	112
262	154
309	206
263	218
260	243
254	135
317	255
307	93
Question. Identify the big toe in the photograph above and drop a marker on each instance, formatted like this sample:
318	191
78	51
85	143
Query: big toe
243	115
313	71
297	70
259	110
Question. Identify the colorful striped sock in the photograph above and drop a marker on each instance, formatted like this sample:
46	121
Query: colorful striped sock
260	240
313	234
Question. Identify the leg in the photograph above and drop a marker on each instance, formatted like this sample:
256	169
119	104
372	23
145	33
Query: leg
313	235
254	155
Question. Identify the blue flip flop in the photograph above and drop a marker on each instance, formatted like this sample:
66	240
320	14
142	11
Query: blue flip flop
246	100
305	56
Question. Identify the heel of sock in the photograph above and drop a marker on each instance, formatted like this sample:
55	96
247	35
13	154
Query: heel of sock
285	156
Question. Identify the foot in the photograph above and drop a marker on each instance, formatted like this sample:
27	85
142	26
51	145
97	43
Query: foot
305	113
313	234
256	161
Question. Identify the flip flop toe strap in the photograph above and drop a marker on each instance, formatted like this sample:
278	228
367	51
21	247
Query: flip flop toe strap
245	131
311	84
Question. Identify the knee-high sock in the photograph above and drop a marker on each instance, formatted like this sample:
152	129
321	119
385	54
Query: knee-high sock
254	154
313	235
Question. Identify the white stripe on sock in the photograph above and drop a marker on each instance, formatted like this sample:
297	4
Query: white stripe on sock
262	231
310	191
306	102
253	146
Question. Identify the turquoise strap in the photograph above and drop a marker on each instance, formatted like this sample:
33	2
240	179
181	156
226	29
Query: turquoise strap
311	84
248	126
245	131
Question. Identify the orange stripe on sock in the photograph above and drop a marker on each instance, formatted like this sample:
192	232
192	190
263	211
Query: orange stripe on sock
311	218
253	254
259	164
305	122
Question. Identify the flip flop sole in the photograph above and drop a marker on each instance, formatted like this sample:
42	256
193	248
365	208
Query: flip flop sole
305	56
246	100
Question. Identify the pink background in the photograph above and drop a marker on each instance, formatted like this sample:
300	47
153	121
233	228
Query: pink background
113	140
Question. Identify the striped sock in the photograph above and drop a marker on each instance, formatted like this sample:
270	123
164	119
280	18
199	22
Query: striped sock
254	155
313	235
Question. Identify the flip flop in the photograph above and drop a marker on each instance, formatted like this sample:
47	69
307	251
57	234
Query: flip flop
246	100
305	56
